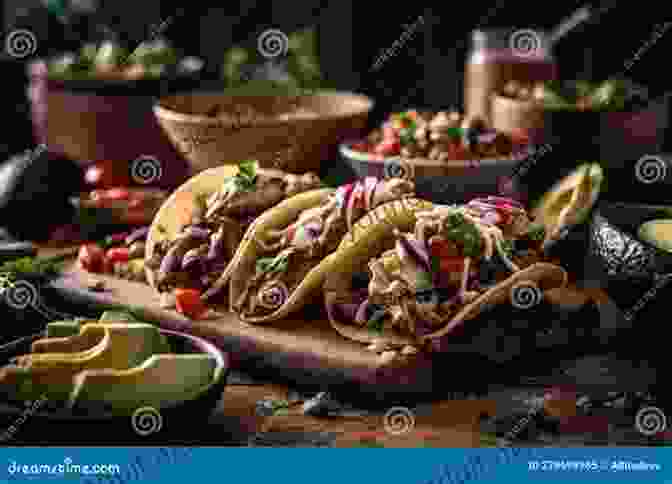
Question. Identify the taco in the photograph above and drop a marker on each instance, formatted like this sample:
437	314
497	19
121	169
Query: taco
283	258
405	286
197	231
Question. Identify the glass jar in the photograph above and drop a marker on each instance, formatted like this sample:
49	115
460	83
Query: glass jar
502	55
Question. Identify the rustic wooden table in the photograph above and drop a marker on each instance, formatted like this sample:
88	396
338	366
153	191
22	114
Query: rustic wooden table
450	423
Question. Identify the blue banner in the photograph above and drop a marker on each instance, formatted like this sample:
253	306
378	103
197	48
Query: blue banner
389	466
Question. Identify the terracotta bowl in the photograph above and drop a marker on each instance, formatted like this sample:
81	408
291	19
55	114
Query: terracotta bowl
294	144
50	424
106	120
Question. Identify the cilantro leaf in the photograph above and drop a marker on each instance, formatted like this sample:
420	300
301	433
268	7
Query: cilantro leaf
375	324
456	133
508	247
537	232
272	264
248	169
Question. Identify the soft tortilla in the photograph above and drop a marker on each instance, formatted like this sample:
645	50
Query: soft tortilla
379	237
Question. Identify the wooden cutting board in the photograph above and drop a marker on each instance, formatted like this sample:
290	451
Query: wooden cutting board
302	349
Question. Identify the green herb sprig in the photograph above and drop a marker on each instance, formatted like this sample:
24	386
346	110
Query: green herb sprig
460	230
273	264
35	267
376	323
246	178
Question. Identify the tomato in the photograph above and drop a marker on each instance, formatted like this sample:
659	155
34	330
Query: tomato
389	132
117	254
189	303
451	264
388	147
108	265
362	147
117	194
90	257
441	248
107	174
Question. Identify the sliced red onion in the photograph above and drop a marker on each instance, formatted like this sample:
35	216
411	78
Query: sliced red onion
416	251
192	259
216	246
370	185
197	232
487	137
503	201
137	235
492	218
360	314
171	262
343	194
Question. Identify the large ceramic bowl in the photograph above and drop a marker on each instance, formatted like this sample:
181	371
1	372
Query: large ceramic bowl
31	422
626	266
437	181
618	140
277	137
91	120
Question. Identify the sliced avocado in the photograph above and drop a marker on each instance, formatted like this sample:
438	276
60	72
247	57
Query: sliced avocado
657	233
117	316
62	329
571	200
123	346
160	381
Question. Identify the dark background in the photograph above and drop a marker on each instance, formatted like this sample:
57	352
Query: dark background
425	71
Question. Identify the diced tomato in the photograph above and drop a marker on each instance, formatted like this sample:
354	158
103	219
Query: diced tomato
390	132
107	174
135	203
388	147
362	147
441	248
189	303
117	194
108	265
137	216
117	254
451	264
90	257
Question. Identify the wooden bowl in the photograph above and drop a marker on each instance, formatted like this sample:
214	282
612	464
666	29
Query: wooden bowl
51	424
294	144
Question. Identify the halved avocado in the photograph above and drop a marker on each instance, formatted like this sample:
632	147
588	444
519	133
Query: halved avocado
657	233
570	201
